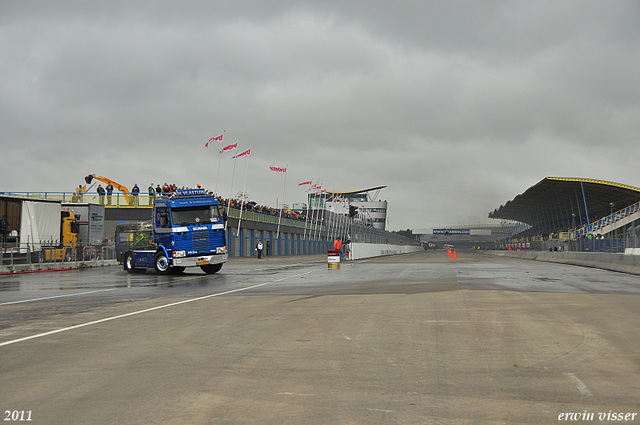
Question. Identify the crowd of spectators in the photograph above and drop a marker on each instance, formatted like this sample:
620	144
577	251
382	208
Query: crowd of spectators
312	217
166	189
309	216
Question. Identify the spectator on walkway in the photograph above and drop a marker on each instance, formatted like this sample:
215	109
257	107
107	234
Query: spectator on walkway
152	191
109	193
135	191
100	191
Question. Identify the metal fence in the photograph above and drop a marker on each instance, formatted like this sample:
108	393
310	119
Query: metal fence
592	243
585	244
36	256
632	237
610	219
116	200
317	225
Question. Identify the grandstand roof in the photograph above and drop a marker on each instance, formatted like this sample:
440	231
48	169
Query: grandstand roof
558	202
356	191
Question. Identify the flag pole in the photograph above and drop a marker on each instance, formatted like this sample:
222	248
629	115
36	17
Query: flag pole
322	219
280	217
233	175
306	213
218	174
330	226
306	221
243	187
317	211
219	162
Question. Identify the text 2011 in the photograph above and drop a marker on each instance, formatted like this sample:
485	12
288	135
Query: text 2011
17	415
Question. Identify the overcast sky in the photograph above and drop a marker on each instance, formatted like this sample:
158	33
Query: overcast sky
455	106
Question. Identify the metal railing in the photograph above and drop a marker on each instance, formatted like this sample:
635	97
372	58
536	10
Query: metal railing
610	219
316	223
261	217
116	200
29	253
632	237
34	256
581	244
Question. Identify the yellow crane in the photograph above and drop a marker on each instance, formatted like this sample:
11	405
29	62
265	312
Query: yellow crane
106	180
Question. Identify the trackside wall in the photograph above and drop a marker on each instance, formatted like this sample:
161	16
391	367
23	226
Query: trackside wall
368	250
601	260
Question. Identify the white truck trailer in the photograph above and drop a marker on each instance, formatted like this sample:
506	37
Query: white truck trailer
38	227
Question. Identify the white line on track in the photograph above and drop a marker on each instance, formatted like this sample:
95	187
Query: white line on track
133	313
57	296
579	384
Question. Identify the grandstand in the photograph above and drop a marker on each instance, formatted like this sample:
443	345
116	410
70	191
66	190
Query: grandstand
369	210
564	209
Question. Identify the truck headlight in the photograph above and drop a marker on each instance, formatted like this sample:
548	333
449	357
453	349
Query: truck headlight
221	250
178	254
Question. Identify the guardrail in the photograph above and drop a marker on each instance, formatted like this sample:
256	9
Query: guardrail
610	219
116	200
616	262
329	223
124	200
24	257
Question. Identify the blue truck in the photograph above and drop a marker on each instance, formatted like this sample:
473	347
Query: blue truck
188	231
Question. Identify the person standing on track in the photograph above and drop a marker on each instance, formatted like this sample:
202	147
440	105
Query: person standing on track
259	248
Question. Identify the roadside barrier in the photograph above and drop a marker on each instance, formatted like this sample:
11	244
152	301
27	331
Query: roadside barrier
15	257
367	250
616	262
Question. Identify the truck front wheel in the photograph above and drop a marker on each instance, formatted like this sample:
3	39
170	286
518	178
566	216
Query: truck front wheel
128	262
161	263
211	268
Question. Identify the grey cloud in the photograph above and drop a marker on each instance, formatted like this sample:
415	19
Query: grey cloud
456	106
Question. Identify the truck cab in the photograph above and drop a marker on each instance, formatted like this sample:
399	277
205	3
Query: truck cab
188	231
66	250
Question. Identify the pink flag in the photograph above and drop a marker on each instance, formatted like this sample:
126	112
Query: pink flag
216	139
230	147
247	152
303	183
278	169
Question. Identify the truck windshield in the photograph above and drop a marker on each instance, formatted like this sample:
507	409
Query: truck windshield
195	215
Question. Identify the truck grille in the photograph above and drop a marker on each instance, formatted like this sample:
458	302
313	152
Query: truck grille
201	240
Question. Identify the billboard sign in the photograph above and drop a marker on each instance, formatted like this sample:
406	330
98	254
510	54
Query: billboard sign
451	231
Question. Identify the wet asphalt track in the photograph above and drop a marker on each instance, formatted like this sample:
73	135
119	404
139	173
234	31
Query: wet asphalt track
419	338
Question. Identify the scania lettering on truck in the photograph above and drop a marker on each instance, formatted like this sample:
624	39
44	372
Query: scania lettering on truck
188	231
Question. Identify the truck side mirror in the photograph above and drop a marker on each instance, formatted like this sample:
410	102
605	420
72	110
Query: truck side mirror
224	215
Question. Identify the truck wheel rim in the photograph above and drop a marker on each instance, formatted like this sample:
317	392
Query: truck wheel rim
162	263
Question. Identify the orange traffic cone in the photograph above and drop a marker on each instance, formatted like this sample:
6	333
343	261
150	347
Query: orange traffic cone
449	252
454	254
